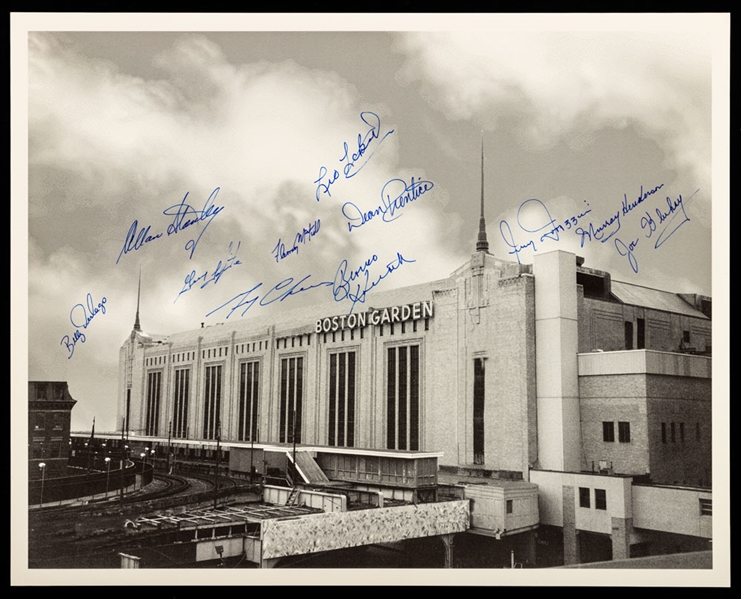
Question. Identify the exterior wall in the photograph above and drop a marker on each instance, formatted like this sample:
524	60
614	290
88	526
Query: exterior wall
487	310
615	398
672	509
687	459
49	413
484	311
664	330
489	507
326	532
622	387
550	488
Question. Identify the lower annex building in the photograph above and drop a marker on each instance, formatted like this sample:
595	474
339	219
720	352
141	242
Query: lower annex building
597	393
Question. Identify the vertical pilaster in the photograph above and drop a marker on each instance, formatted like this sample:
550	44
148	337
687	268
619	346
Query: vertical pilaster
621	531
571	554
556	345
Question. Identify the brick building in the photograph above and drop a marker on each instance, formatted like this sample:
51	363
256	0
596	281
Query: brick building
49	412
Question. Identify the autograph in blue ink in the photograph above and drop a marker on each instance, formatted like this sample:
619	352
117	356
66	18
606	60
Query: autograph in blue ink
672	217
351	163
81	315
548	227
347	284
184	216
280	252
351	285
404	194
192	279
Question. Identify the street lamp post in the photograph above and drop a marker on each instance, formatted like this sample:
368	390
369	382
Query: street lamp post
108	474
42	466
144	463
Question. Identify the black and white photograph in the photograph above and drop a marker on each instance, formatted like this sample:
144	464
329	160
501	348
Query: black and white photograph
353	299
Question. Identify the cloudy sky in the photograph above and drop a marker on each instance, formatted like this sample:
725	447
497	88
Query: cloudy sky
125	128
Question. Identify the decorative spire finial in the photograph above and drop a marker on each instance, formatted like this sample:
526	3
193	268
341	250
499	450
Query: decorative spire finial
482	245
137	326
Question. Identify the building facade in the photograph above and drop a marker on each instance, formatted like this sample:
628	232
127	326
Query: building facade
550	374
49	413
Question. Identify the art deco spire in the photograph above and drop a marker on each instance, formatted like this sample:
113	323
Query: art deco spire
482	245
137	326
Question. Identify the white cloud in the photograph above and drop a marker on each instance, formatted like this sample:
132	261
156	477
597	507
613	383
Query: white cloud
564	86
107	148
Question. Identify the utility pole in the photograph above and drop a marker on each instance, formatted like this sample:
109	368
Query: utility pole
295	470
252	452
218	461
123	457
169	445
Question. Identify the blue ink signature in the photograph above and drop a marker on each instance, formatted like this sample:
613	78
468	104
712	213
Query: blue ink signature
352	166
628	206
347	285
674	217
342	287
546	225
627	250
81	316
192	280
406	193
184	216
674	209
280	252
598	233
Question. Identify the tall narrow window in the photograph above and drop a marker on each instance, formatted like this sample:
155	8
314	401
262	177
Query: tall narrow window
154	388
624	432
608	432
249	377
584	497
128	408
402	397
212	407
641	334
341	399
663	432
478	410
628	334
600	499
182	393
291	399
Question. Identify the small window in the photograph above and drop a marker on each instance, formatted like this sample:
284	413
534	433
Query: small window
706	507
663	432
641	334
600	499
509	506
628	334
608	432
686	336
624	432
584	497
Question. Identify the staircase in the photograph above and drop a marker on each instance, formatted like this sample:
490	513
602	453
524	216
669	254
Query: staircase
308	469
293	496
